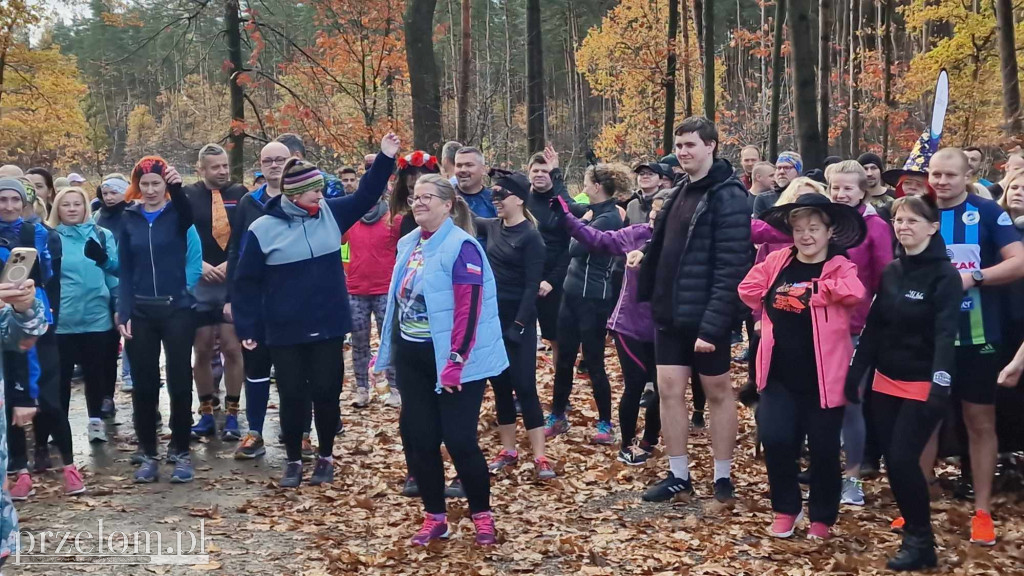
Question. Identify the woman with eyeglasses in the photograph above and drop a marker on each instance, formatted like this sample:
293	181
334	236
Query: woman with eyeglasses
443	338
290	260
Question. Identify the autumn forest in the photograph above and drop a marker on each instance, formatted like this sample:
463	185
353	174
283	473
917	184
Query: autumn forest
115	79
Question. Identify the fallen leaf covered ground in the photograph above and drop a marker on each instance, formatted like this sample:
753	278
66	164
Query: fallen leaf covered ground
589	521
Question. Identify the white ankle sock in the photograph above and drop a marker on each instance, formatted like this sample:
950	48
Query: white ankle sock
680	466
649	386
723	469
91	420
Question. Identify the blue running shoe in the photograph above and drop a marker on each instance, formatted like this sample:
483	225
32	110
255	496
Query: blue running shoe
207	426
230	432
555	425
148	472
183	472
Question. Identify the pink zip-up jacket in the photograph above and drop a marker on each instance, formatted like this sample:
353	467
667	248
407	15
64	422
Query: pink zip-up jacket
836	294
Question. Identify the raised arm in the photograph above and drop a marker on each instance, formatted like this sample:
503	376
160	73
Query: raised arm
347	210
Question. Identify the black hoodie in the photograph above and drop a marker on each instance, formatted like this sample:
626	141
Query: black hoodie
556	238
910	334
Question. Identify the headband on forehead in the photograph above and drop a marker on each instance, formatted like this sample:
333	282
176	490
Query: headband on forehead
148	165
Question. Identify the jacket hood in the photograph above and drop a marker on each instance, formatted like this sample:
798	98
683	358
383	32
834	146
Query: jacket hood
113	210
602	207
84	229
934	252
376	213
278	208
720	171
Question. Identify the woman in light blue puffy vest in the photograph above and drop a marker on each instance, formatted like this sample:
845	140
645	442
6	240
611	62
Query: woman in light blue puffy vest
443	338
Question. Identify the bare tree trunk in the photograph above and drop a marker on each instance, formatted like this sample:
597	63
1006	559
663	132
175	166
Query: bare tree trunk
709	60
534	79
687	80
808	136
508	89
670	77
462	117
887	49
777	72
423	80
1008	67
854	113
236	138
698	25
825	16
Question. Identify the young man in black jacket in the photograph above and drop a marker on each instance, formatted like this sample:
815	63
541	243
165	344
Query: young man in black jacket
690	272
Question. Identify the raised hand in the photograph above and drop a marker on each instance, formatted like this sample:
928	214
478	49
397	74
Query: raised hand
551	157
171	176
390	145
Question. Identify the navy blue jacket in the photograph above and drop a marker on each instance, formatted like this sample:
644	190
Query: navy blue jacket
289	286
158	260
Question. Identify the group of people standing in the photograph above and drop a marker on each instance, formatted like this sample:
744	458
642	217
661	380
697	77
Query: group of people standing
868	316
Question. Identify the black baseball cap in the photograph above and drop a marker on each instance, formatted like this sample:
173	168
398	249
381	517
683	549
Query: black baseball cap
662	170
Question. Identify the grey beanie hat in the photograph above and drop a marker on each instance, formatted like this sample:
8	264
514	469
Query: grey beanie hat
16	185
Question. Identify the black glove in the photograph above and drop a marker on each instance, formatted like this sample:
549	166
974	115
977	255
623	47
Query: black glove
514	334
938	395
852	389
95	252
558	208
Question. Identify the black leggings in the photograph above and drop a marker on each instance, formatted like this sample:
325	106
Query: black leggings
783	421
521	374
309	378
52	418
582	321
96	353
175	330
903	428
638	368
429	418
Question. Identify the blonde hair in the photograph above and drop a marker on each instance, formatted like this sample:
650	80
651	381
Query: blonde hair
54	218
461	214
790	194
1004	200
849	167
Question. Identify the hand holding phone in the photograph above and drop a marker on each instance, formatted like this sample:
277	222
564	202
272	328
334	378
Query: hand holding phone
18	266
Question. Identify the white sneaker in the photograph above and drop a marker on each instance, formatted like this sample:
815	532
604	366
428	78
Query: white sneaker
127	385
394	399
362	398
97	432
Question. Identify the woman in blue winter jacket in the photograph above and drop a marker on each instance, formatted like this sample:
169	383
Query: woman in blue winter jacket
85	328
290	295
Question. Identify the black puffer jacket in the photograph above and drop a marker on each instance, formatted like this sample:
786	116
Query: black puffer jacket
590	275
716	258
910	334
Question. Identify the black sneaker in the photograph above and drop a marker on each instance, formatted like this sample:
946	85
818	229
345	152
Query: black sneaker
724	491
698	420
749	395
648	398
668	489
411	489
964	488
804	477
633	455
292	475
455	490
323	472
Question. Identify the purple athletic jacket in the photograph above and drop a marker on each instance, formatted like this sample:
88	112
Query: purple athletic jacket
629	318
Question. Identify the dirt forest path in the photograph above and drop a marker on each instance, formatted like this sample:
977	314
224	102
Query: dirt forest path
589	521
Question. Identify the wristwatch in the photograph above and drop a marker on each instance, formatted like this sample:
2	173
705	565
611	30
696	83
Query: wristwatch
456	358
978	277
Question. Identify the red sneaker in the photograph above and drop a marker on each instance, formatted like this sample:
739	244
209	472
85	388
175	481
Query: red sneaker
484	523
819	531
785	524
73	483
22	487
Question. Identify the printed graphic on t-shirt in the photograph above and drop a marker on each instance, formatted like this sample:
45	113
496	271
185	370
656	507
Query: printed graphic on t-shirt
412	306
794	298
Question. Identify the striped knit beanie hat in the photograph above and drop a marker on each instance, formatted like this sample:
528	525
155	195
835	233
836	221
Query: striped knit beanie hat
300	177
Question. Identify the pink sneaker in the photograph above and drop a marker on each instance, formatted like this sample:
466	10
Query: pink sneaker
73	483
484	523
435	526
819	531
22	488
785	524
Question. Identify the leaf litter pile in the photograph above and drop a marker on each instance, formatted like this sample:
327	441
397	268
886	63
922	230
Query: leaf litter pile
591	520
